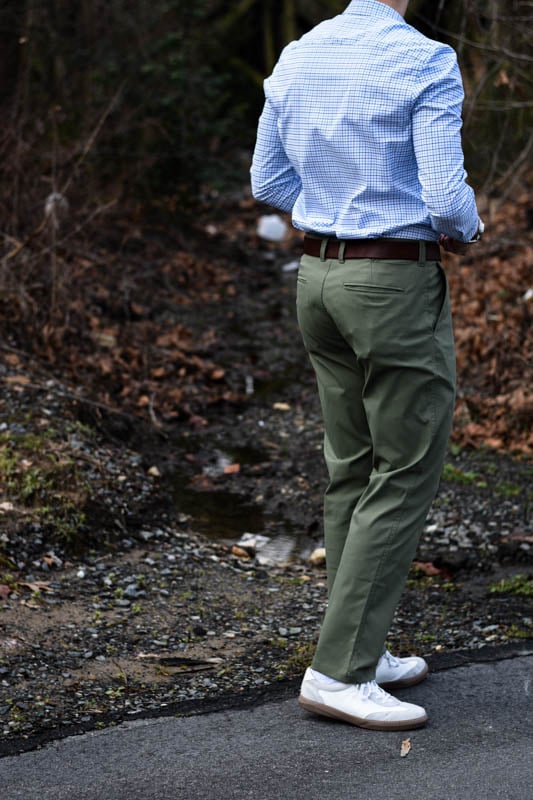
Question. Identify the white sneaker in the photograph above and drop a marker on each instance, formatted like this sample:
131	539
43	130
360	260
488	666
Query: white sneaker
362	704
396	673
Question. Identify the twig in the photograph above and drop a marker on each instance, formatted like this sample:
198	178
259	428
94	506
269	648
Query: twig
90	141
151	411
88	145
463	40
513	173
73	396
74	231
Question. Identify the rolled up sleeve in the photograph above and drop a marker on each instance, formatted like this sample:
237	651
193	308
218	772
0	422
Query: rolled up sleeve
274	180
438	149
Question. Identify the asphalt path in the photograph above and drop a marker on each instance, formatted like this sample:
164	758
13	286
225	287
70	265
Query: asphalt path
478	745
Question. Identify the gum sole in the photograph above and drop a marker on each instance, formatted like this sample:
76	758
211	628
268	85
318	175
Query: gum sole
333	713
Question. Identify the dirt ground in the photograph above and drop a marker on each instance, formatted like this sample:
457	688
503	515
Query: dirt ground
126	596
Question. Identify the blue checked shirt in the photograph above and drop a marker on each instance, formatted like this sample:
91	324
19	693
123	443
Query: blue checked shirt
360	135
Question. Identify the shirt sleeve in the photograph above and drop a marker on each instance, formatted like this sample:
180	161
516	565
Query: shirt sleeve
438	150
274	180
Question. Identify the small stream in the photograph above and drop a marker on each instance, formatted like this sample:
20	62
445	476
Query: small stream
222	514
226	516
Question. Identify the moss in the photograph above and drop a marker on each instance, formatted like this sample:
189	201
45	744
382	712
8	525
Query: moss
448	586
456	475
517	585
426	638
298	661
43	482
515	632
508	489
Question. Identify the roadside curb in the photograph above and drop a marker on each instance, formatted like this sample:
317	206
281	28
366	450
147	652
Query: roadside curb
276	692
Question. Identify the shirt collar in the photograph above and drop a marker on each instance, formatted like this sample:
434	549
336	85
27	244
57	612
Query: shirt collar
373	8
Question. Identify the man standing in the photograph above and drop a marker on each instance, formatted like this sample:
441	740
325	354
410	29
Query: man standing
360	139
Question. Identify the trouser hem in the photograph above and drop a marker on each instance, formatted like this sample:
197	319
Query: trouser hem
354	676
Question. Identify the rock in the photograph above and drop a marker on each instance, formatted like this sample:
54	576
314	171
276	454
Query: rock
240	552
318	557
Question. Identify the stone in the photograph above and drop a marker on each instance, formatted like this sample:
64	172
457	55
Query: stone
318	557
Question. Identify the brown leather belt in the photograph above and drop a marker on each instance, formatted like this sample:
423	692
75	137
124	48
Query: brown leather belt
370	248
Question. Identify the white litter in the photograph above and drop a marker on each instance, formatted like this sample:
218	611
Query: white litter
271	227
291	266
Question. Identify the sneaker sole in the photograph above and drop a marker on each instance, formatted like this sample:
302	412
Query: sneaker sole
405	682
370	724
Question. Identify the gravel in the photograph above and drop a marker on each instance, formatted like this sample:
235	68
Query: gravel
146	607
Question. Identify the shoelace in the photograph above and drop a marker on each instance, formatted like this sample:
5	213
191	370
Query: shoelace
390	659
371	689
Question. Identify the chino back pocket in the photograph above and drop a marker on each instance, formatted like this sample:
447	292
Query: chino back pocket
372	288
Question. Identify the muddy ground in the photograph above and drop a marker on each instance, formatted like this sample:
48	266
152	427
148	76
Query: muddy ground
141	605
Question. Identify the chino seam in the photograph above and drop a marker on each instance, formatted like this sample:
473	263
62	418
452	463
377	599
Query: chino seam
328	268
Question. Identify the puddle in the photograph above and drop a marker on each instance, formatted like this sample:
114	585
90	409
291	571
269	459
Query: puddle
219	514
277	381
226	516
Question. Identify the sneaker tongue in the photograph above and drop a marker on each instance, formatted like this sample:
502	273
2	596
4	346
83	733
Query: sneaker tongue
393	661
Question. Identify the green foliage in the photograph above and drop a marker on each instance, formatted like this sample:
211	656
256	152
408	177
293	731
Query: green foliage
300	658
42	483
516	632
456	475
508	489
517	585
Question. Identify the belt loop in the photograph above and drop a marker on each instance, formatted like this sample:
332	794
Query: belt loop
342	248
421	253
323	247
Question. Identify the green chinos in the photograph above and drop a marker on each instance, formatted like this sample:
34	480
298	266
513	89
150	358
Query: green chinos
379	336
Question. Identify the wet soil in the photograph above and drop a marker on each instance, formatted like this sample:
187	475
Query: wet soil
146	607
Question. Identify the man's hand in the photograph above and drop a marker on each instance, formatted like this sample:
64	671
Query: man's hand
452	245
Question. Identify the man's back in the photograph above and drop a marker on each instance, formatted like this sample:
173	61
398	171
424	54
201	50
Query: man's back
369	140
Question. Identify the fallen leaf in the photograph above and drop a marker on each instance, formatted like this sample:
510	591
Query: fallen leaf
516	536
37	586
14	379
158	372
281	407
232	469
240	552
202	482
426	567
12	359
5	591
197	421
405	748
